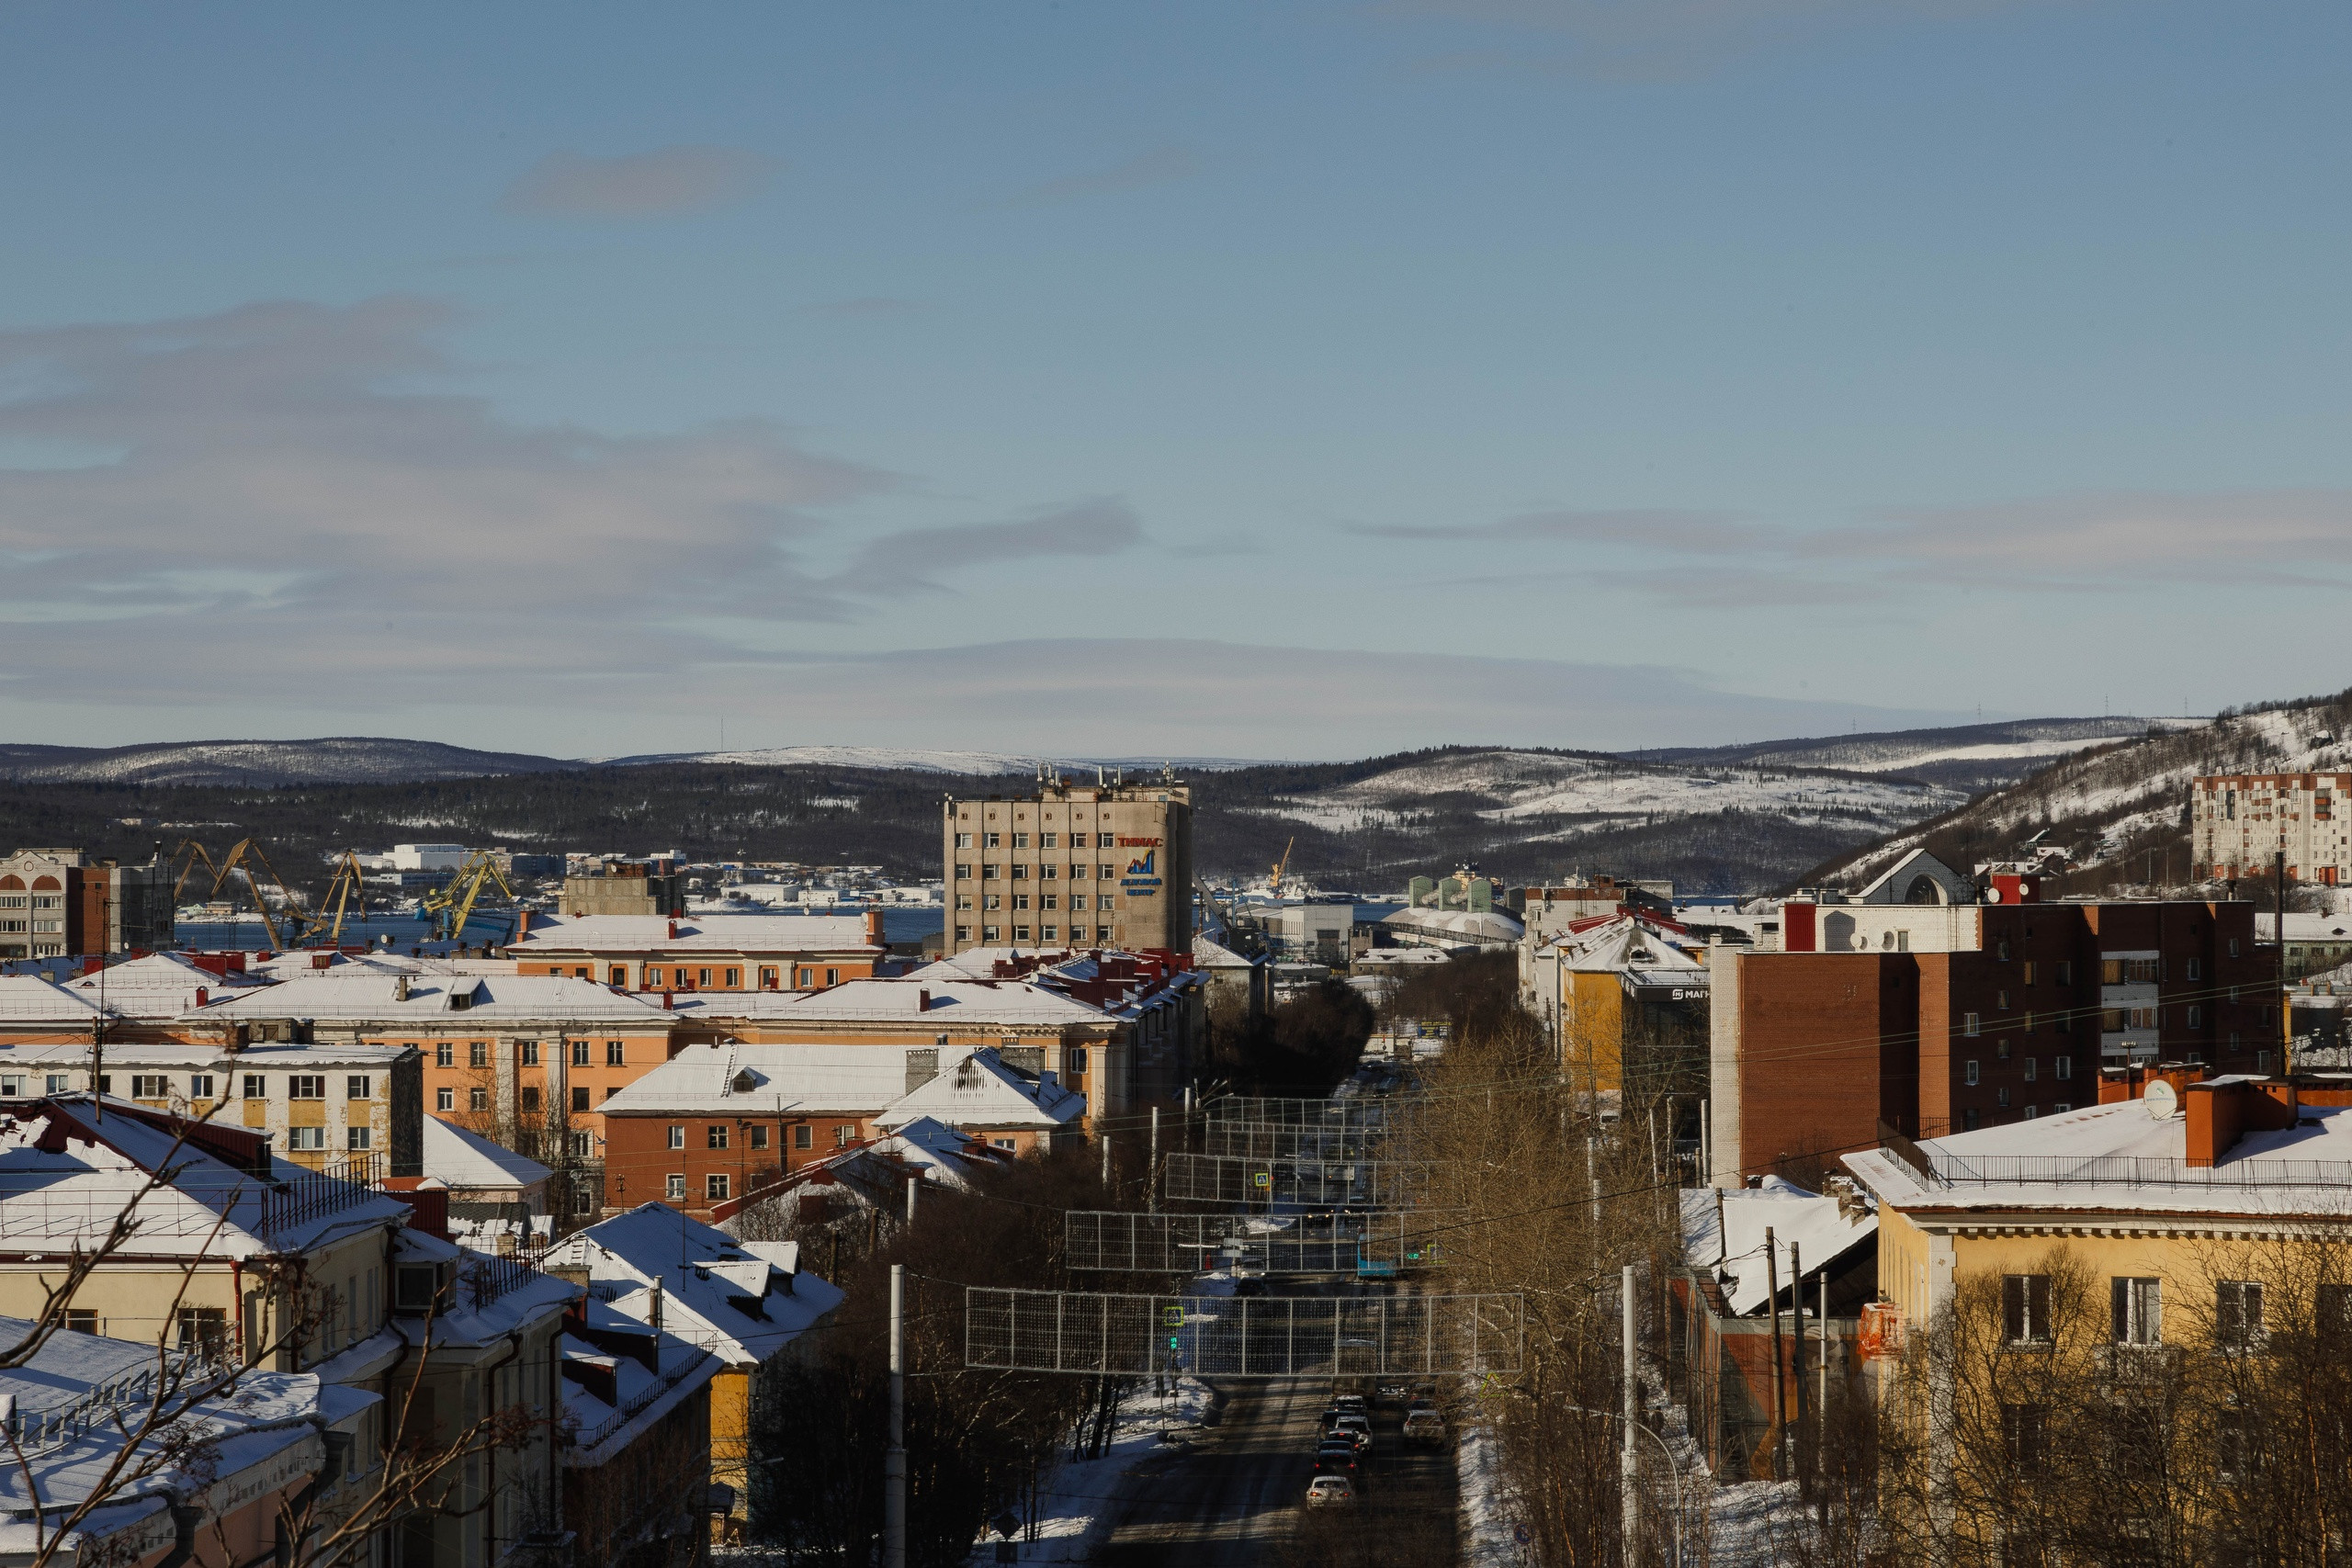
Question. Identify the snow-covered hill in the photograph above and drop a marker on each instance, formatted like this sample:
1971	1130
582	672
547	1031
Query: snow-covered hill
1555	795
1975	757
2109	807
338	759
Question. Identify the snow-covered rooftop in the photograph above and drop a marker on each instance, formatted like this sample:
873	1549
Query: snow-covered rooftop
1808	1229
736	1078
728	1297
705	933
957	1001
370	997
469	1162
980	1091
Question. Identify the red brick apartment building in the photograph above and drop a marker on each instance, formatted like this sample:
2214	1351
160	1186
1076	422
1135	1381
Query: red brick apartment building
720	953
1809	1051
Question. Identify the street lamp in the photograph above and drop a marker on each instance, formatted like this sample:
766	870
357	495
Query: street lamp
1672	1469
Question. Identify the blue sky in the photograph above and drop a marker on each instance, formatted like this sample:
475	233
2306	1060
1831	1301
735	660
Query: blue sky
1243	380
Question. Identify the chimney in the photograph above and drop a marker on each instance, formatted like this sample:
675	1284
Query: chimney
202	997
669	1001
922	1000
673	931
655	1307
399	988
522	924
874	928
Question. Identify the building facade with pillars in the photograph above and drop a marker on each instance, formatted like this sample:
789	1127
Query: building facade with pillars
1073	865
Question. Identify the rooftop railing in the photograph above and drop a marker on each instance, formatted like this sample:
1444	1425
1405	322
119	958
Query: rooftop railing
2131	1170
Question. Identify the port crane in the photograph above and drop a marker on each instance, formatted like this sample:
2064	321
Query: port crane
452	906
346	894
243	857
1282	869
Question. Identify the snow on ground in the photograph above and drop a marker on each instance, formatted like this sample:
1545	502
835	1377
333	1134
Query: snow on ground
1076	1506
1525	784
1486	1521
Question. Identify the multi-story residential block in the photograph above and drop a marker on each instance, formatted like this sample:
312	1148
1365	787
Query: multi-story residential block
721	1122
1123	1030
1073	865
746	1304
1810	1051
2241	823
641	888
58	902
718	953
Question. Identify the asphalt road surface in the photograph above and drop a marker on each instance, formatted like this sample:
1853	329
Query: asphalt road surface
1236	1499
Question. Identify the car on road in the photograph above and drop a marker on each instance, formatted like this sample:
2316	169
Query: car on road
1338	1459
1426	1427
1326	1489
1391	1394
1347	1405
1356	1430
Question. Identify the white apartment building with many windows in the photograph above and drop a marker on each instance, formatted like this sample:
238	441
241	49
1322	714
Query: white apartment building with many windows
2240	823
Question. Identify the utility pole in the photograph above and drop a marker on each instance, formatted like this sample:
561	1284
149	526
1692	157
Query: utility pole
1706	1149
1151	1170
894	1458
2286	1008
1106	1160
914	1189
1796	1350
1629	1492
1821	1406
1780	1386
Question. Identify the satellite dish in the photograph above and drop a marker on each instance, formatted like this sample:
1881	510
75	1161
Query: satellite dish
1991	895
2161	1100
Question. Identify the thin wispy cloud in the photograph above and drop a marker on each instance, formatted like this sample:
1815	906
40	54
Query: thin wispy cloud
921	557
665	183
1161	166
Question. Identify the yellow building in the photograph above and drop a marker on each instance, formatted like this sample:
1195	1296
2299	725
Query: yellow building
745	1303
2092	1325
1620	985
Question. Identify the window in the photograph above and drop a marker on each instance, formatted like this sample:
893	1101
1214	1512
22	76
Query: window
1968	1072
530	1052
2029	1023
677	1137
652	976
355	1087
611	1090
991	872
2032	1111
615	1054
1078	900
150	1086
1047	840
1020	933
803	1136
620	976
759	1138
2196	968
1105	873
12	1085
2332	1311
991	841
2031	1065
987	933
1020	841
2061	1108
2138	1310
1968	1026
832	976
444	1055
840	1135
2001	950
306	1085
734	979
2062	1068
355	1138
1020	873
1045	933
579	1097
809	977
1078	873
477	1099
2237	1315
580	1053
199	1086
306	1138
2195	1017
675	1189
2001	1095
717	1135
582	1146
2024	1431
478	1053
963	871
81	1320
702	978
2237	1450
962	841
2026	972
1021	900
2000	1050
767	970
963	933
1105	841
2064	971
445	1100
530	1100
204	1331
715	1188
2025	1309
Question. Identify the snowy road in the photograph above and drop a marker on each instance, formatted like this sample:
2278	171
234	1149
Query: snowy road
1235	1501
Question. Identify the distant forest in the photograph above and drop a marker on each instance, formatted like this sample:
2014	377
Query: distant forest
889	817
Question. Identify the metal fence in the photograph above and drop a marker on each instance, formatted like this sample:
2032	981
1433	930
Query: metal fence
1260	1336
1377	1243
1268	1140
1358	1113
1310	1184
2131	1170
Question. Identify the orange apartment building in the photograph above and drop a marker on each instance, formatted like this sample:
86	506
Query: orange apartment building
718	953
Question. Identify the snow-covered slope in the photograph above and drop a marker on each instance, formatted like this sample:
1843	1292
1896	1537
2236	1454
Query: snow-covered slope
982	763
1553	795
2129	798
338	759
1975	757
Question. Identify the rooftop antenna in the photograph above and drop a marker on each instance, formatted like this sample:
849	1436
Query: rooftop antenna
1097	775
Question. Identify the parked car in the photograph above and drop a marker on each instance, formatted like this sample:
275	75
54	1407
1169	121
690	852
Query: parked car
1325	1489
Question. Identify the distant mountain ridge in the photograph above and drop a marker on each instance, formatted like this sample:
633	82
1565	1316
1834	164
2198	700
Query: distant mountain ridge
239	764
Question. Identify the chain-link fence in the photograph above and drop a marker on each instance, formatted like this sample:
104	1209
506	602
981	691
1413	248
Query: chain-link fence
1269	1337
1309	1183
1369	1245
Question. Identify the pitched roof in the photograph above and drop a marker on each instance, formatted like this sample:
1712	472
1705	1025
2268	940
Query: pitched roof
31	999
957	1001
717	1292
372	996
467	1160
157	985
739	1079
1809	1227
979	1090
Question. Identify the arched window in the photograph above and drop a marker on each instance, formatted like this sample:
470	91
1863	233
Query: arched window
11	883
46	885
